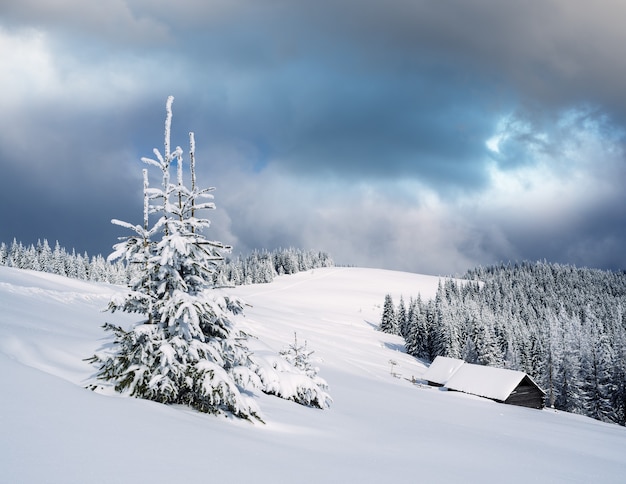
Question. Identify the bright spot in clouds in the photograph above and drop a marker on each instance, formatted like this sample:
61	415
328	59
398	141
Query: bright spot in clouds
493	143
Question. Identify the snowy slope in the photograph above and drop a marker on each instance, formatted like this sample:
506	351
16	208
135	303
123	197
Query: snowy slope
379	428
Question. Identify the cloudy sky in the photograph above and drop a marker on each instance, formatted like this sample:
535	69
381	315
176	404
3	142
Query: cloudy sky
421	135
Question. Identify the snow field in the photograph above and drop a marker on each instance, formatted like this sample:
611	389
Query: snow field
380	428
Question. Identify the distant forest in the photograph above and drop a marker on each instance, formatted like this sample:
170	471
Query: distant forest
257	267
562	325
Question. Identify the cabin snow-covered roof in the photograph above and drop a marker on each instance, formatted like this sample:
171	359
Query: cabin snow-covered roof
485	381
442	369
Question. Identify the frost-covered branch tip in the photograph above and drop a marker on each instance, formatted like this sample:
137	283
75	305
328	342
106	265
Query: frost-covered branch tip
168	125
146	199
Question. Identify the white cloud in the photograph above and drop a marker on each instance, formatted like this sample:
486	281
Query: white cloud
28	67
573	165
34	72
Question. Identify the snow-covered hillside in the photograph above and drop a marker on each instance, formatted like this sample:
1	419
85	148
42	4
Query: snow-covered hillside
380	428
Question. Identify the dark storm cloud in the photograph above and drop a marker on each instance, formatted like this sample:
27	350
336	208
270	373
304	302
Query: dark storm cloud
593	239
63	179
401	88
410	134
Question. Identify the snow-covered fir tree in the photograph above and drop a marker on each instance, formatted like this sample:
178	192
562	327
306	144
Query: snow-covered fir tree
402	318
298	380
186	349
300	356
389	322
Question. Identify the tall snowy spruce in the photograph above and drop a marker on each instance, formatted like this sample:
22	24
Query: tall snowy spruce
186	350
389	322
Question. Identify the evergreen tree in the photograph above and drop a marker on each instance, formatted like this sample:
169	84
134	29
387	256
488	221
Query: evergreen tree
554	357
299	356
416	337
14	258
58	260
388	323
45	256
305	386
402	318
446	340
597	362
29	259
619	369
565	341
186	350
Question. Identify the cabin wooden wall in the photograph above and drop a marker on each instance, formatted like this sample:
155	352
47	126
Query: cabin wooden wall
526	394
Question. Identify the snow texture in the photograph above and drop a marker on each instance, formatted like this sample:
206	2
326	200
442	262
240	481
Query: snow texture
379	428
485	381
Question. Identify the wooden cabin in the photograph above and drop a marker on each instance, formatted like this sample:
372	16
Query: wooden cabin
506	386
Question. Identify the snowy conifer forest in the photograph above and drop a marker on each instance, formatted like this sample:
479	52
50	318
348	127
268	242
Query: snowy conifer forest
257	267
562	325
